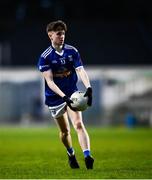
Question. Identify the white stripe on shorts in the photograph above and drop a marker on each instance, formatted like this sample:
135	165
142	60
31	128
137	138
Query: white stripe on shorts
57	111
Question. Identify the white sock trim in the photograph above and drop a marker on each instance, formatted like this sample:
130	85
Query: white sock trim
71	154
86	150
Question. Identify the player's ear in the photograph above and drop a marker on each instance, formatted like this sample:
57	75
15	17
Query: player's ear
50	35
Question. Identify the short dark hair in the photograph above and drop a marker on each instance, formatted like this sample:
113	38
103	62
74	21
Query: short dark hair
56	26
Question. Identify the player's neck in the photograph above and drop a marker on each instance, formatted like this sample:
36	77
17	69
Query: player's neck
57	47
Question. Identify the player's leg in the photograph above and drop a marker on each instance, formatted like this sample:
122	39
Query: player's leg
59	114
64	127
65	137
83	137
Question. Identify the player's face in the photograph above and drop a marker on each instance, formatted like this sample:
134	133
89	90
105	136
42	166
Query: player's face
57	37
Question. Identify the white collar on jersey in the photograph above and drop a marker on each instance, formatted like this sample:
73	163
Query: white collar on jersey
60	53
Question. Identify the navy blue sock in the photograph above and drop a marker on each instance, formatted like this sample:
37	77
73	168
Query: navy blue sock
86	152
70	151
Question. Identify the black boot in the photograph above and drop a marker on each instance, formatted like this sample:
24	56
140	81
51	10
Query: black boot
89	162
73	162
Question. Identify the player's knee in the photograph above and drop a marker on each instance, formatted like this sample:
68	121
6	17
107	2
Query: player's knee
78	126
65	133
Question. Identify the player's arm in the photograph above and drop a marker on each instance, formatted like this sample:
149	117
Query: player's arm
85	79
83	75
49	79
44	67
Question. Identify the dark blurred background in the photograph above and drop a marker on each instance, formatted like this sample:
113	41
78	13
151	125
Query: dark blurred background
107	32
114	38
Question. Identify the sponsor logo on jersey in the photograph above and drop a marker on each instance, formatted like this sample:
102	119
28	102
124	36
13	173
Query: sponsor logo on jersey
70	58
44	66
54	62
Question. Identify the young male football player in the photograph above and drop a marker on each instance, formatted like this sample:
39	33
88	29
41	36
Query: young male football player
60	63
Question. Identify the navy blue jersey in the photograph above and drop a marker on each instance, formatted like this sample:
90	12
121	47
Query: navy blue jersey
63	67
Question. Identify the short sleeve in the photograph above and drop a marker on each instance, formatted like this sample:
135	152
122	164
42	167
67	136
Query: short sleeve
77	60
43	64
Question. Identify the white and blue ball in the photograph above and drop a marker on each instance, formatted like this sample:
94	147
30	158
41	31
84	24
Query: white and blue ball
79	101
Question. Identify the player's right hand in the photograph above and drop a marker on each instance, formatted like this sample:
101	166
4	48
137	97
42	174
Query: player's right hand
69	101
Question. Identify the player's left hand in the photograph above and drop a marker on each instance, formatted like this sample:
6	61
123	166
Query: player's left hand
89	95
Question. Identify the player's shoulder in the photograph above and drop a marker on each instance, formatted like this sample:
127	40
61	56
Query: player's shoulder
70	47
46	52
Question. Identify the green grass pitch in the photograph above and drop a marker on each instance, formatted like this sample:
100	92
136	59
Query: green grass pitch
37	153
